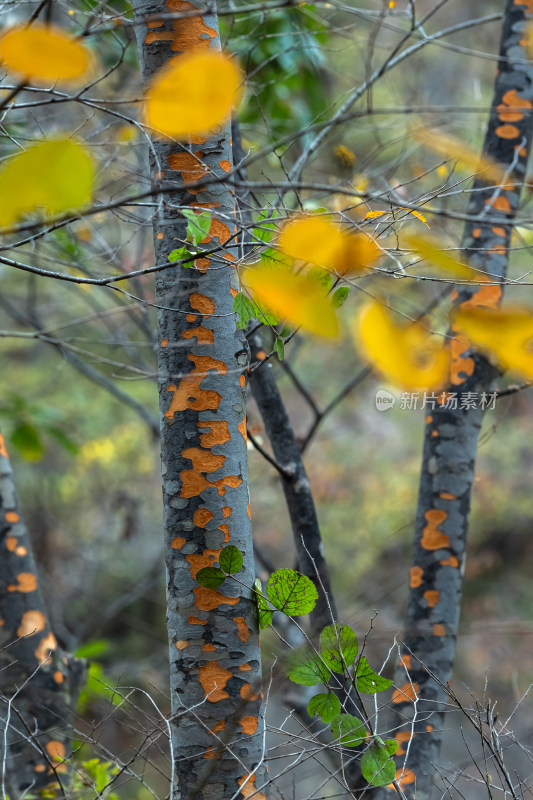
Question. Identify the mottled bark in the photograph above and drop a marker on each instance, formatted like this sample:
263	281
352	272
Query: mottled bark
451	435
38	681
215	674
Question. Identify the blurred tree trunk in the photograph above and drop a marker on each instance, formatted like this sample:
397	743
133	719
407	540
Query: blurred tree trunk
451	434
215	671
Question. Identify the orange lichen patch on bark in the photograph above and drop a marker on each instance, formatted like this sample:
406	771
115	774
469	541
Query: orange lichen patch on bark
242	381
233	292
243	631
211	752
213	678
428	419
249	511
56	750
31	622
191	31
181	644
3	450
401	737
261	354
406	694
432	538
458	346
218	230
247	784
507	132
160	236
203	335
164	342
206	559
439	630
40	768
511	99
499	203
178	542
220	726
11	543
244	667
227	511
202	264
415	577
447	496
209	648
154	23
432	596
26	582
500	249
202	516
189	393
201	303
196	621
209	599
219	432
193	480
406	661
226	166
191	317
158	36
189	165
434	434
225	530
452	561
488	296
242	428
48	643
58	676
248	725
476	233
498	231
12	516
247	693
404	777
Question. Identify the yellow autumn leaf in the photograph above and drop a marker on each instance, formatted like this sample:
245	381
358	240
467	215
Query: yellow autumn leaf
407	356
295	297
503	334
449	267
44	54
55	175
374	214
193	94
418	215
451	147
317	240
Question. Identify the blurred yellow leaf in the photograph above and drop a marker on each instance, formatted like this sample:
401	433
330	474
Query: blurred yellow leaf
44	54
297	298
431	251
418	215
451	147
502	333
193	94
406	355
317	240
374	214
56	176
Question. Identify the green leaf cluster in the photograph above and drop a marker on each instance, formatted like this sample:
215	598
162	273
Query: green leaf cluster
230	561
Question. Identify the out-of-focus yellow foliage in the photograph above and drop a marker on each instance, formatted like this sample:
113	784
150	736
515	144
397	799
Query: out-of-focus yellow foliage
450	147
56	175
44	54
503	334
407	356
299	298
317	240
447	266
418	215
193	94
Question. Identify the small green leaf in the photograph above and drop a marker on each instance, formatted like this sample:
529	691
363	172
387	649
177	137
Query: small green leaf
211	577
307	668
244	307
285	331
93	649
198	225
338	646
279	348
265	230
369	681
377	766
340	296
230	559
322	276
264	612
391	745
326	705
27	440
291	592
348	730
177	255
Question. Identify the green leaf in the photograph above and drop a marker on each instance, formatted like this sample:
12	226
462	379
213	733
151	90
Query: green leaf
326	705
265	230
177	255
65	441
340	296
377	766
291	592
244	307
307	668
264	612
279	348
198	225
338	646
93	649
369	681
285	331
27	440
211	577
348	730
391	745
230	559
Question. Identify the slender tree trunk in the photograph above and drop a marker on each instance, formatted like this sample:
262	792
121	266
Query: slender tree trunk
38	681
451	434
215	671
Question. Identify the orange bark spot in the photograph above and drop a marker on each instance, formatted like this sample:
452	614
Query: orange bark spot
209	648
226	166
249	511
458	346
500	249
220	726
209	599
12	516
242	381
428	419
56	750
243	631
191	31
160	236
189	165
178	542
439	630
432	538
434	434
201	303
193	480
11	543
206	559
42	654
248	725
218	230
202	264
501	203
31	622
164	342
196	621
261	354
242	428
432	596
213	678
226	511
219	433
401	737
406	694
488	296
211	752
507	131
233	292
476	233
191	317
202	516
406	661
3	451
203	335
447	496
181	644
404	777
225	530
247	784
499	231
40	768
59	677
415	577
26	582
189	393
247	693
452	561
244	667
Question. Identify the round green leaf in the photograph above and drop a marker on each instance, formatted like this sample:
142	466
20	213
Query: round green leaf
340	296
338	646
307	668
211	577
391	745
291	592
264	612
327	706
348	730
27	440
377	766
230	559
369	681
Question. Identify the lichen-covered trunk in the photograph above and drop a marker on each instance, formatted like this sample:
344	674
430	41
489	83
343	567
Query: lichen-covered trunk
38	681
451	433
215	674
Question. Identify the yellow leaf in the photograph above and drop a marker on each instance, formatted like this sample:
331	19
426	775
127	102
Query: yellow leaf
430	250
317	240
56	175
501	333
44	54
193	94
467	158
406	355
295	297
418	215
374	214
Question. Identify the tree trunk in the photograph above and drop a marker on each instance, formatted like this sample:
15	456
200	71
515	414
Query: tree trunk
215	671
451	435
